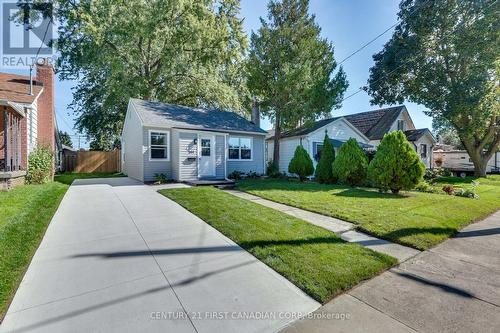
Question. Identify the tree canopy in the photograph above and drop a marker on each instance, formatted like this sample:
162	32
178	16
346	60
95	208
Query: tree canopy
65	139
445	55
187	52
292	69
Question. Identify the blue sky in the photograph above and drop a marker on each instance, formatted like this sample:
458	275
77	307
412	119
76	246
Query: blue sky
348	24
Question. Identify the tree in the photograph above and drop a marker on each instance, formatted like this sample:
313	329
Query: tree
187	52
324	167
65	139
447	135
291	69
396	165
444	55
351	163
301	164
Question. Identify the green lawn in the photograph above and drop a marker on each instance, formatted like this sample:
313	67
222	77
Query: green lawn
314	259
25	214
67	178
419	220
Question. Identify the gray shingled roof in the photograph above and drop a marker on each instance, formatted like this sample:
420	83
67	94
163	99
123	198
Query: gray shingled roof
415	134
170	115
305	129
374	124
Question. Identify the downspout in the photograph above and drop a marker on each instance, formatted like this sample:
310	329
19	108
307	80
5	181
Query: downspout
5	138
198	155
225	158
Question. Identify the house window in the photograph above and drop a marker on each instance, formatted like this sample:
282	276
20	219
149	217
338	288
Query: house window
401	125
205	147
240	148
423	150
317	150
158	145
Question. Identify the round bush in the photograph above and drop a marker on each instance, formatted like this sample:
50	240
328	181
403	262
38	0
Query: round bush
351	164
396	165
301	164
40	165
324	168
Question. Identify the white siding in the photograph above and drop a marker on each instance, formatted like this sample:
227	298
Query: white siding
32	128
132	145
425	139
338	130
220	166
153	167
257	164
188	156
405	116
174	142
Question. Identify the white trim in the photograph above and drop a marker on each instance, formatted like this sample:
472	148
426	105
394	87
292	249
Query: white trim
168	146
251	149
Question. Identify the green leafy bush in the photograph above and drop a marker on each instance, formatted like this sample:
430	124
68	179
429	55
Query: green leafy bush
272	170
235	175
324	168
396	165
40	166
351	164
252	175
424	186
160	178
434	174
301	164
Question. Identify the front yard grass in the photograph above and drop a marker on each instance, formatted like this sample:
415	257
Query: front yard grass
314	259
415	219
25	213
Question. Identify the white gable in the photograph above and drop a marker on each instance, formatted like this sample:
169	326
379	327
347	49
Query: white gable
339	129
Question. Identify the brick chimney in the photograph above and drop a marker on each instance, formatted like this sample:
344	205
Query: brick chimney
45	105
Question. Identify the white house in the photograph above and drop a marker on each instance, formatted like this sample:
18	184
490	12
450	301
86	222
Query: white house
368	128
188	144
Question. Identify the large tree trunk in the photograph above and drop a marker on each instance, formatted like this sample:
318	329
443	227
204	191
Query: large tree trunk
479	158
276	145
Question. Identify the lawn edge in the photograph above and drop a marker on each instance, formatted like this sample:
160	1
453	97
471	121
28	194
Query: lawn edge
21	276
358	227
333	295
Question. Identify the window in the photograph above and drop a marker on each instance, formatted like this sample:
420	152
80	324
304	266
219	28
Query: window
158	144
318	149
205	147
240	148
401	125
423	150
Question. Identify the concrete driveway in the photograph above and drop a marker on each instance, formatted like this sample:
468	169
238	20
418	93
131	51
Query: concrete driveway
119	257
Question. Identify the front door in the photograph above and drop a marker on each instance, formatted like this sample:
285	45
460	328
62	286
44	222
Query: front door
206	163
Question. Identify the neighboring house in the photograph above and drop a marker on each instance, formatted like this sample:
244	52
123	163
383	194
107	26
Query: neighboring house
459	162
26	120
368	128
188	144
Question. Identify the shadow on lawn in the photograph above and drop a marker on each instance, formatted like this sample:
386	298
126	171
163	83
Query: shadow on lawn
361	193
210	249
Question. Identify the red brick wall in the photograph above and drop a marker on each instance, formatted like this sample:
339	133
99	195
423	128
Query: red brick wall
46	115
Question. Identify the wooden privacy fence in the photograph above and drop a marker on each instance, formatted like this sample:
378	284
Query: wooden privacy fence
92	161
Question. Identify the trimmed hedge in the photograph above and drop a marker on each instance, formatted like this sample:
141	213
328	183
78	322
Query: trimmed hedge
396	165
351	164
324	172
301	164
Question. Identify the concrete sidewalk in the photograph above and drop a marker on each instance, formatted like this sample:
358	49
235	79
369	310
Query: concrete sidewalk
344	229
454	287
119	257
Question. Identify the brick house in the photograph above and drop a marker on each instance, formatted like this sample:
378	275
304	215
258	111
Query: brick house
27	118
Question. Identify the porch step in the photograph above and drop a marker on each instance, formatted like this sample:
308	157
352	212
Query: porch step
210	182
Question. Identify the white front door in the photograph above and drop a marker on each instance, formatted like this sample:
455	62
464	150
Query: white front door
206	163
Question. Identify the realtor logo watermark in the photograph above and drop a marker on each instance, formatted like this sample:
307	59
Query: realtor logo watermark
26	33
